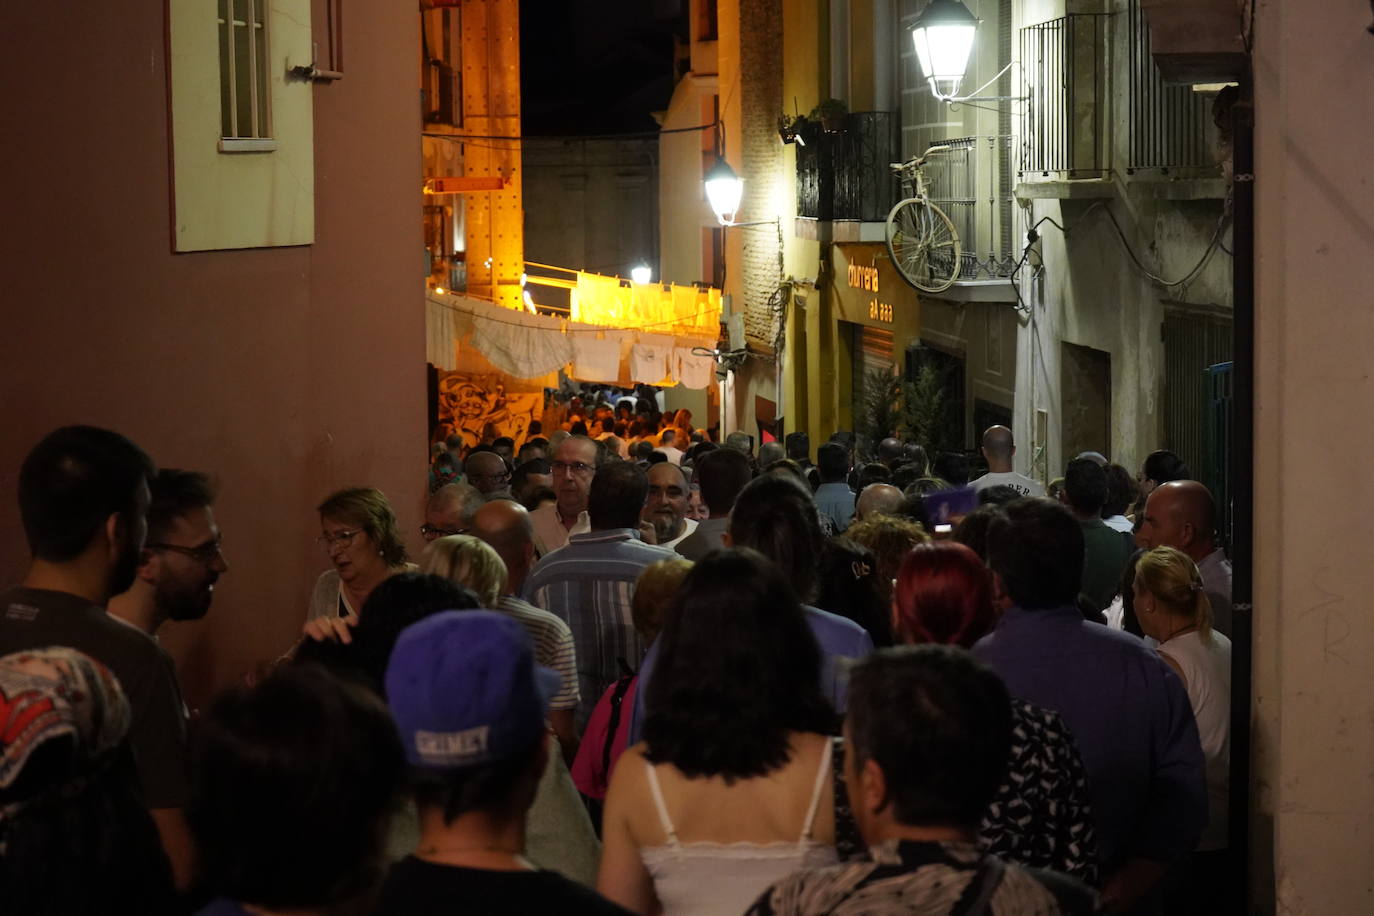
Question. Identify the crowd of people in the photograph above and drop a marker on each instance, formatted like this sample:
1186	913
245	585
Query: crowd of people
634	669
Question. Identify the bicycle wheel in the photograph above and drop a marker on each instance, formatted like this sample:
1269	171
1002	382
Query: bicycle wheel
923	245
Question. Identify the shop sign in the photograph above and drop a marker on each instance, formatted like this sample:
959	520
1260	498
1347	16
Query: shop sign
866	279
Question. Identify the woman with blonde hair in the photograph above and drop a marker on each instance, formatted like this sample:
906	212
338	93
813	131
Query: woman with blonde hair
468	561
1173	609
358	533
475	564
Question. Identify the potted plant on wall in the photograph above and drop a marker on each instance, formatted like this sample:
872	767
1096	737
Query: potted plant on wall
831	113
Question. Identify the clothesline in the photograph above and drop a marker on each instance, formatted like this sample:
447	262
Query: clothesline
529	346
567	328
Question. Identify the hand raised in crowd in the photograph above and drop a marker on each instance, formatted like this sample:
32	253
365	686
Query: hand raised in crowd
330	629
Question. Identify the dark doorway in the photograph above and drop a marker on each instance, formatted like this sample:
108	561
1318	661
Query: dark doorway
947	371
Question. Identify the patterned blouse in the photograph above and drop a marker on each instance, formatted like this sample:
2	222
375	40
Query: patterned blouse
1041	816
910	878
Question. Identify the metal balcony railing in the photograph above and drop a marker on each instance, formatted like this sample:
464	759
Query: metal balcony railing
844	174
1169	125
972	182
1065	120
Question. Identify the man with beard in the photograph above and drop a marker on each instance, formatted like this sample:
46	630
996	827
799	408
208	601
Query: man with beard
182	560
83	499
666	507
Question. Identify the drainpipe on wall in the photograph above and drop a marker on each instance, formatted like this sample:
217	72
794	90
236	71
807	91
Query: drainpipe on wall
884	55
1242	483
839	49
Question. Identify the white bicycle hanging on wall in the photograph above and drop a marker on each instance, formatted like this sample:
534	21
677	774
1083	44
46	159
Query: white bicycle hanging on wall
921	239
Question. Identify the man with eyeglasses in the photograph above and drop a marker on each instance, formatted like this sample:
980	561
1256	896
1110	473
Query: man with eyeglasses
574	465
181	560
449	510
83	499
487	471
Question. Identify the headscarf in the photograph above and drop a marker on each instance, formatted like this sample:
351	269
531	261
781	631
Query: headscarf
48	694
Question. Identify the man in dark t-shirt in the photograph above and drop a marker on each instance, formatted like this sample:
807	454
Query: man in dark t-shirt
470	704
83	499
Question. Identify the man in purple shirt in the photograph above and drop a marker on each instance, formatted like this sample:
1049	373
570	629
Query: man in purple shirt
777	517
1128	711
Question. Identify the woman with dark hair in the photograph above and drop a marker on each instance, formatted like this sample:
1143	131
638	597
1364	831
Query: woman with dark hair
1161	466
730	789
777	516
293	783
359	534
75	837
360	647
849	575
1041	816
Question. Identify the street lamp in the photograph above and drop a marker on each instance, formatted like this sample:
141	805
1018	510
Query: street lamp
724	189
641	273
943	35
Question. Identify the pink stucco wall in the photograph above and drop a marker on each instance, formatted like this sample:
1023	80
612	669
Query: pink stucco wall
285	372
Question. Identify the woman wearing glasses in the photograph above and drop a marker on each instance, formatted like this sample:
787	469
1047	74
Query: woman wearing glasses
358	532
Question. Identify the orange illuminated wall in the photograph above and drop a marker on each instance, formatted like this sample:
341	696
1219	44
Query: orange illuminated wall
490	221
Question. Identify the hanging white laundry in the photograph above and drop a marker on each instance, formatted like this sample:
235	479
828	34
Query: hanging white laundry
522	345
596	360
692	370
650	359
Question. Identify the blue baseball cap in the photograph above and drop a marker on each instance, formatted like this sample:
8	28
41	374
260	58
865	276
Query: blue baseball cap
464	689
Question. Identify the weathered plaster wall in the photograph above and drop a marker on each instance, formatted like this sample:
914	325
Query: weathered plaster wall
1314	635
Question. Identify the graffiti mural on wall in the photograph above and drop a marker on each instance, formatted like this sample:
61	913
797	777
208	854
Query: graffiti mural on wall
482	407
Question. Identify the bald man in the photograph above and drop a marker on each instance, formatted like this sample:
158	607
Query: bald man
999	448
505	525
1181	514
878	499
488	472
666	507
890	452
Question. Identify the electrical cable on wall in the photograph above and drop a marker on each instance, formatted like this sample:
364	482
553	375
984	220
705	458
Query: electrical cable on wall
1032	237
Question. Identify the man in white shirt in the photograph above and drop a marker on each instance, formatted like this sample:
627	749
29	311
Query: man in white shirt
666	507
998	448
667	444
574	465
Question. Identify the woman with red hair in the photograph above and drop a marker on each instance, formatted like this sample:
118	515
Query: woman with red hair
1041	816
942	594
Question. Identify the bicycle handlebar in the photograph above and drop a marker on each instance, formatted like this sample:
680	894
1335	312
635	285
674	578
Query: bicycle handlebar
917	161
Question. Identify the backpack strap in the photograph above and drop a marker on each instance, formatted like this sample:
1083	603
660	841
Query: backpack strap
622	686
977	897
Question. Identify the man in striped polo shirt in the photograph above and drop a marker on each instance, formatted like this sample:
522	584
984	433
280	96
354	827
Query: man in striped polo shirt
590	582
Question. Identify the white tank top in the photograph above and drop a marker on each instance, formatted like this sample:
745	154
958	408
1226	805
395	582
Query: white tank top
1206	667
713	878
